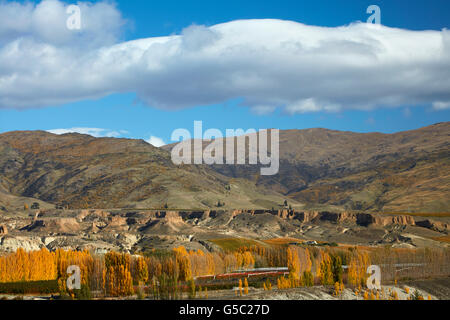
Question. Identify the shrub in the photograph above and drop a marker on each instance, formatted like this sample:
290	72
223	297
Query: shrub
416	296
140	293
35	206
30	287
220	204
192	291
308	279
337	269
82	294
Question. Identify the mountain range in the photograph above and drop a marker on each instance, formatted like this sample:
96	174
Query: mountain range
320	169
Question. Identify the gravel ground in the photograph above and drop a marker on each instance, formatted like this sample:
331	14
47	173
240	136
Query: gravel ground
437	289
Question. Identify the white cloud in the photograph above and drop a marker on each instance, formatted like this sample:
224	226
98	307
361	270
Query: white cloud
262	110
441	105
95	132
310	105
156	142
268	64
45	22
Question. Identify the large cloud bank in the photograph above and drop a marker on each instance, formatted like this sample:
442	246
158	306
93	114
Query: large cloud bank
269	64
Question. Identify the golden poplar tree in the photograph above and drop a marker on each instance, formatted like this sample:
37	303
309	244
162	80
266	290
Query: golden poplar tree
245	286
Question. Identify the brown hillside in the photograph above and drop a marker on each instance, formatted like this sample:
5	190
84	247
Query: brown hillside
319	169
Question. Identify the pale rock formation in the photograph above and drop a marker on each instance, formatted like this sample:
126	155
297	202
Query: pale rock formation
11	244
3	230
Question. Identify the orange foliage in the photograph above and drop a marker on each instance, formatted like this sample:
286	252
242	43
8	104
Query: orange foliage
28	266
117	280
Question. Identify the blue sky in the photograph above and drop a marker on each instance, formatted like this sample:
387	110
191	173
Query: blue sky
127	115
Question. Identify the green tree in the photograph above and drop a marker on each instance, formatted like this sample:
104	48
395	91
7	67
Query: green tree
192	289
308	279
337	269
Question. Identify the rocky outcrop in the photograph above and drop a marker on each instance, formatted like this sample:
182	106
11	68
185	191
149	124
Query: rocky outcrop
173	217
184	237
100	247
3	230
362	219
401	220
82	215
286	214
338	217
210	246
236	213
54	225
434	225
11	244
37	215
127	241
117	221
365	219
92	215
307	216
206	214
94	228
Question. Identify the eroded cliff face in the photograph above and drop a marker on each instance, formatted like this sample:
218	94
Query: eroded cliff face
361	219
102	230
357	218
62	225
434	225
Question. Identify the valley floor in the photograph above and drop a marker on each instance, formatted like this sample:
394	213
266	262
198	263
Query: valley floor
433	289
